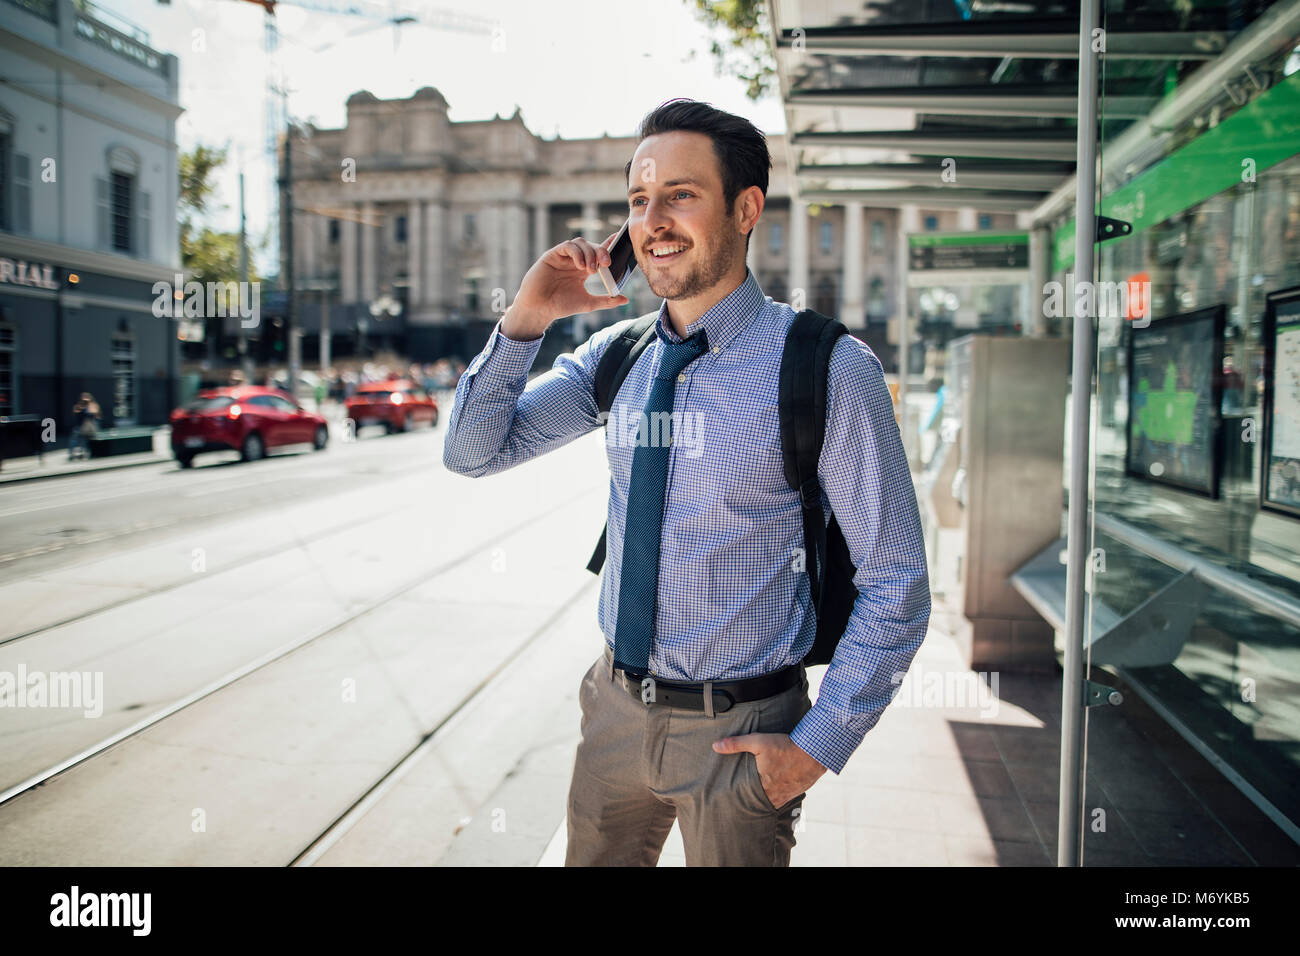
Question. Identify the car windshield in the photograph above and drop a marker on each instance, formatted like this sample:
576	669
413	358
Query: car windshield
211	403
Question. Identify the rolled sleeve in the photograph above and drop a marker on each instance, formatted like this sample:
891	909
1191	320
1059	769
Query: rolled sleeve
500	419
868	485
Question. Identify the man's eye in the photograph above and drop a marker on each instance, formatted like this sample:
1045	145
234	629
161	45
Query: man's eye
682	192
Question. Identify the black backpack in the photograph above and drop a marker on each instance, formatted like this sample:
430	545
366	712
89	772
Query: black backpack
805	361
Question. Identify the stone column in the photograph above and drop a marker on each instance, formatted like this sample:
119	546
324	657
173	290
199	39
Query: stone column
495	243
1040	273
799	255
853	312
590	214
541	230
752	255
348	288
435	287
414	257
516	246
369	239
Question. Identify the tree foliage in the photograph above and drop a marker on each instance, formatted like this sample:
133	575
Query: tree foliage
206	253
745	51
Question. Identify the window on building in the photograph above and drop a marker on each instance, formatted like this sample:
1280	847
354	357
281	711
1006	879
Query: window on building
775	238
776	288
120	211
469	225
399	229
877	308
15	186
931	223
877	236
123	353
826	303
334	232
8	350
471	296
824	234
985	221
4	179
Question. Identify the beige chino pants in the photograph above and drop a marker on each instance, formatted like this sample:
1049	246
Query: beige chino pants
640	766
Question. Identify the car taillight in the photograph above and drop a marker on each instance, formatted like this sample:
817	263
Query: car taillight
234	412
397	398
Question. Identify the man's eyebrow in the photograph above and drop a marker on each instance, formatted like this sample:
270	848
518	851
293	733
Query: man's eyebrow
672	182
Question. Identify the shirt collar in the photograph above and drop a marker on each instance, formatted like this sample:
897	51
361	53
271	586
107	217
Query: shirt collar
724	320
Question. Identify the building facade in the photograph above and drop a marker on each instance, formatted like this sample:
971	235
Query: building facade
88	191
435	222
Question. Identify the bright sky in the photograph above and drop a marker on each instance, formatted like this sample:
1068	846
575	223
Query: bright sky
576	68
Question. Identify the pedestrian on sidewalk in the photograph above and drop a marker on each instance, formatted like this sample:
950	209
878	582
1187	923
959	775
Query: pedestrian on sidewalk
698	710
85	418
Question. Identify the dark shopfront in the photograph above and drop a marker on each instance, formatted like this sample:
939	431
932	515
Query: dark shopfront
66	330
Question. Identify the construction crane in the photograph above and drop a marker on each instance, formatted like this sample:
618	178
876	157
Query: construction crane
277	111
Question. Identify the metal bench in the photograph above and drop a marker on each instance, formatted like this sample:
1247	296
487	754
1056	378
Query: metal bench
122	441
1152	633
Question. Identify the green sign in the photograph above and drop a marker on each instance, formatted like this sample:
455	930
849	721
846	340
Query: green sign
929	239
1261	134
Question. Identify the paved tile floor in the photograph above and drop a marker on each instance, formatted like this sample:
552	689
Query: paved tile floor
962	770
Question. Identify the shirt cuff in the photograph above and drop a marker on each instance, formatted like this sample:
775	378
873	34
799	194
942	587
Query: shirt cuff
821	736
513	357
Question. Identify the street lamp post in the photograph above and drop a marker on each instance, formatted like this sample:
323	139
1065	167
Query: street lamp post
383	306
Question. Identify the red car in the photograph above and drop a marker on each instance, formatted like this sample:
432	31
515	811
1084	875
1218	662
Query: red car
247	418
397	404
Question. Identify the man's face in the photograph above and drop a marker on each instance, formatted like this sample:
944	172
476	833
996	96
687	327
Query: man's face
675	203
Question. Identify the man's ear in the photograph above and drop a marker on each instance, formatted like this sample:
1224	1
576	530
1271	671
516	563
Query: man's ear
749	207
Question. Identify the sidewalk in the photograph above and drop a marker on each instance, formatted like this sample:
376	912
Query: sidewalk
976	785
54	463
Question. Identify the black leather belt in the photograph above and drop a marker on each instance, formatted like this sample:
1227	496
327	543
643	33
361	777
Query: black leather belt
690	695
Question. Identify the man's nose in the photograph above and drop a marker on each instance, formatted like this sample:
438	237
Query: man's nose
655	218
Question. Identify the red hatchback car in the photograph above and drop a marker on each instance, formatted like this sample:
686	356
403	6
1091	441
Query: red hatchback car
397	404
247	418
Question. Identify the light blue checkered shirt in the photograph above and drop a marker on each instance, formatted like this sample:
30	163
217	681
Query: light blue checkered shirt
733	596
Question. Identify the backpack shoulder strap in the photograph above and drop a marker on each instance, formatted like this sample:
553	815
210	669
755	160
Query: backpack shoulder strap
626	346
805	366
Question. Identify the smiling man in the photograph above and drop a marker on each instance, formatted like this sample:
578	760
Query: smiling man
698	709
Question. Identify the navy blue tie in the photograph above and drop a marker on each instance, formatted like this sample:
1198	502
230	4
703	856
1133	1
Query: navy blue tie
639	577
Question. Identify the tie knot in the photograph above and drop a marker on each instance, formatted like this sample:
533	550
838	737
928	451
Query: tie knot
677	355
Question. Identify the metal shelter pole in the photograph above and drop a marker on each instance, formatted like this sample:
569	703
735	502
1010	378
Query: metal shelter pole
1069	831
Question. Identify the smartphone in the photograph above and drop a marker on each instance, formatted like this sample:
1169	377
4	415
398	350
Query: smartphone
622	262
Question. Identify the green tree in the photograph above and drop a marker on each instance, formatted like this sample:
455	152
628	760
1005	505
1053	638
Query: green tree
207	254
746	54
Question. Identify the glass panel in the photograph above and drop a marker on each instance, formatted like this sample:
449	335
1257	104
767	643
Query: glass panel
1178	434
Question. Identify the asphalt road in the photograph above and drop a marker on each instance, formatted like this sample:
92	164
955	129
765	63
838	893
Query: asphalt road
263	649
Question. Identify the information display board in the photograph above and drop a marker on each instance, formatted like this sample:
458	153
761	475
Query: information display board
1280	458
1175	368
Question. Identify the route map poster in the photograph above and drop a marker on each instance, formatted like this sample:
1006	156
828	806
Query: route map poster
1280	485
1175	382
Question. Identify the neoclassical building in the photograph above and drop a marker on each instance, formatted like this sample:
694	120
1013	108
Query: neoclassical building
435	223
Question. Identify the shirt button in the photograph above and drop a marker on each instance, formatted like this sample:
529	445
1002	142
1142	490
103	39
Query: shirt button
716	350
681	377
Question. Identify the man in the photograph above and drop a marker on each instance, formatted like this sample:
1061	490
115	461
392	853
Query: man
698	709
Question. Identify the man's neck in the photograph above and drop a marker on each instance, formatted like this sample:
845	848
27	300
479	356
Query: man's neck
682	312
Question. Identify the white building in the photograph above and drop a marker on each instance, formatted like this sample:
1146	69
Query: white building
445	218
88	192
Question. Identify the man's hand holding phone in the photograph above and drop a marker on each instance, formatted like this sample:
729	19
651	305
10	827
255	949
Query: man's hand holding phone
554	288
